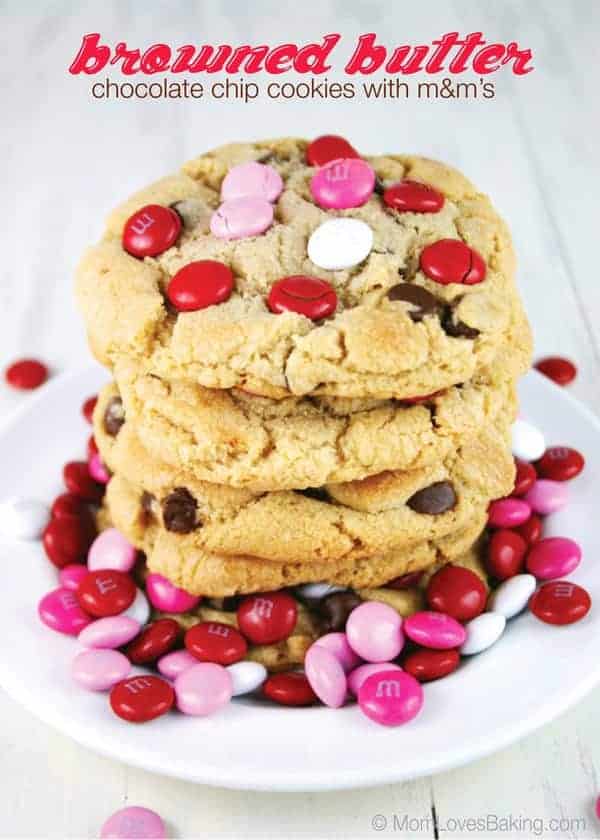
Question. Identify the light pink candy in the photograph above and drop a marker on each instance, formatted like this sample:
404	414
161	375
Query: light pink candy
252	180
110	550
434	630
553	557
203	689
134	822
508	513
325	675
60	611
98	470
547	496
111	632
390	698
360	674
168	598
71	576
343	183
337	643
172	664
374	631
99	670
241	217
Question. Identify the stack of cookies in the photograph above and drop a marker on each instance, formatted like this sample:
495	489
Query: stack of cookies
314	357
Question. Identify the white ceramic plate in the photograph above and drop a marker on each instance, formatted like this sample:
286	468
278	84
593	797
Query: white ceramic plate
532	675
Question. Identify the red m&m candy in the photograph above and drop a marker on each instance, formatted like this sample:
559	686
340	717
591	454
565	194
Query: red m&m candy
531	529
106	592
456	591
525	478
560	463
67	540
306	295
79	482
405	581
413	197
290	688
560	602
87	409
153	642
200	284
452	261
213	641
558	369
151	230
329	147
143	698
26	374
427	665
267	618
506	554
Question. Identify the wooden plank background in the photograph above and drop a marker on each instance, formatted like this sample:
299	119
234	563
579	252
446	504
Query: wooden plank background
66	159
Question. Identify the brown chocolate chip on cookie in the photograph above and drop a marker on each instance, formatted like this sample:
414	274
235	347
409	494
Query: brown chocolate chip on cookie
114	416
336	608
179	511
421	301
456	328
435	499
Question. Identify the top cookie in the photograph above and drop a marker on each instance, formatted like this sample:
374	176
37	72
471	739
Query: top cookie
384	277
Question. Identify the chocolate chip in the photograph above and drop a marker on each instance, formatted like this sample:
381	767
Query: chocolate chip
336	608
421	301
318	493
435	499
455	328
114	416
179	511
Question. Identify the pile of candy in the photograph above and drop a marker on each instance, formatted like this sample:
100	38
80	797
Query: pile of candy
380	659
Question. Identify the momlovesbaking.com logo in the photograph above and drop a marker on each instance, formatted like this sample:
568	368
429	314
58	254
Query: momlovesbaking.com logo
453	66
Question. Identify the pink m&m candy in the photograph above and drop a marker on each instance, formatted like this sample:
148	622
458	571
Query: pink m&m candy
344	183
168	598
98	469
60	611
71	576
203	689
111	632
390	698
134	822
547	496
434	630
374	631
252	179
326	676
99	670
241	217
508	513
110	550
357	677
172	664
553	557
337	643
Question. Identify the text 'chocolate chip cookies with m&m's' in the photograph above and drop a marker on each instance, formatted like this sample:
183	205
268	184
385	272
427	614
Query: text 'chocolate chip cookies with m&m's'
314	357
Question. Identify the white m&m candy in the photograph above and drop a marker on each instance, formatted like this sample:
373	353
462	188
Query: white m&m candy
512	596
340	243
527	441
482	632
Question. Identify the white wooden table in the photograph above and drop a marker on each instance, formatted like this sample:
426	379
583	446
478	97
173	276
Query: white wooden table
66	159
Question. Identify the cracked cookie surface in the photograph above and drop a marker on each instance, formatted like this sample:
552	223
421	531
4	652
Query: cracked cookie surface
369	347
